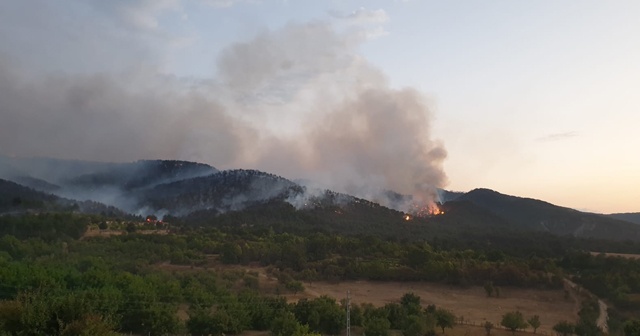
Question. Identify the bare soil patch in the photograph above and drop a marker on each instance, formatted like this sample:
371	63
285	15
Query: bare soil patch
94	232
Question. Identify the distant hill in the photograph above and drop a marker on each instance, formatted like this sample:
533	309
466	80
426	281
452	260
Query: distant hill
222	191
16	199
140	174
51	174
633	217
113	184
538	215
201	193
446	195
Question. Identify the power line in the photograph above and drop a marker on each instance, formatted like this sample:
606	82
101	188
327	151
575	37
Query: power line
348	313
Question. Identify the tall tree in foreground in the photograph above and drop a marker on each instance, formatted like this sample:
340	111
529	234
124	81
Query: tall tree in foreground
487	327
444	319
513	321
377	326
415	326
534	322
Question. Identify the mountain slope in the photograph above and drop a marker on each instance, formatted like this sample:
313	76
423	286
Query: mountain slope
141	174
16	199
538	215
632	217
222	191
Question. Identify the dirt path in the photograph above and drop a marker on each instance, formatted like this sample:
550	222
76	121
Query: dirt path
604	316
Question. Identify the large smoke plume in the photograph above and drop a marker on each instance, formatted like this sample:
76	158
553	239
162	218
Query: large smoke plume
299	101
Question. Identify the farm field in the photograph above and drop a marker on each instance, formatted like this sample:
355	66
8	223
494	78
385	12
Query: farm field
471	303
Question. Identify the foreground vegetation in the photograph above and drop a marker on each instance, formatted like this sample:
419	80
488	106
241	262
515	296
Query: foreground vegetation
57	282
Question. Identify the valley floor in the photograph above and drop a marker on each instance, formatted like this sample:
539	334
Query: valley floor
470	303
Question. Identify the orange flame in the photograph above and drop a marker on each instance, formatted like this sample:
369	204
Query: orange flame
434	210
428	210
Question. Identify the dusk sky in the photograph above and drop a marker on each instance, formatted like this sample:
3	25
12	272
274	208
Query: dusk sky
537	99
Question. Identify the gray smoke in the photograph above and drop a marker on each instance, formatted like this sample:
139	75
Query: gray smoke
299	101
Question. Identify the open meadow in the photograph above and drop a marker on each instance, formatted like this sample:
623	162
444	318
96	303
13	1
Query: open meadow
471	303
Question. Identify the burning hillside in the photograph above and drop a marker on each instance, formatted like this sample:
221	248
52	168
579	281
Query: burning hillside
424	210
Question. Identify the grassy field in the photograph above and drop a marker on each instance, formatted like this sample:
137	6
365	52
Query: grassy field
470	303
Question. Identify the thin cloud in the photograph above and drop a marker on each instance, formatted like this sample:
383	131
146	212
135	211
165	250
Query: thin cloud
227	3
362	16
558	136
364	24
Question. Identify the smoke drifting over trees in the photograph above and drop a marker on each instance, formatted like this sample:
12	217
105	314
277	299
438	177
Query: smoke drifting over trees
299	101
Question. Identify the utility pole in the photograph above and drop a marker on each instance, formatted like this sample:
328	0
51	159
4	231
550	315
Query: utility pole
348	313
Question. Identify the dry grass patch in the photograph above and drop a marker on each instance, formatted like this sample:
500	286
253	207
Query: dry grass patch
470	303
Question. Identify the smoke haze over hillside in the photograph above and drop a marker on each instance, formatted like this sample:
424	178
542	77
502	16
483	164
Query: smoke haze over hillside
298	101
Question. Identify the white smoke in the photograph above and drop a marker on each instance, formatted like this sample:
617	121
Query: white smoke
299	102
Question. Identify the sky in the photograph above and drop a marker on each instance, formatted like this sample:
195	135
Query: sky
530	98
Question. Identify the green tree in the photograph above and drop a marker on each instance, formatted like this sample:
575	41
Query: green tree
377	326
295	286
103	225
534	322
131	227
231	253
357	318
89	325
488	288
564	328
513	321
487	327
414	326
200	323
444	319
322	314
397	314
587	328
411	304
287	325
632	328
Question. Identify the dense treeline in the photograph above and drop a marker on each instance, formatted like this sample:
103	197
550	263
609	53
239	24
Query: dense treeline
614	278
57	284
334	257
464	226
88	288
45	226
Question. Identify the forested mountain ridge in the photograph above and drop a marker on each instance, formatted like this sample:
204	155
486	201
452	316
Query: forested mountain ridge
221	191
633	217
201	192
17	199
538	215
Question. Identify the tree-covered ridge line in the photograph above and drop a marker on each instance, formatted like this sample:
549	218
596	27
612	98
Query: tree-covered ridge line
114	282
201	192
